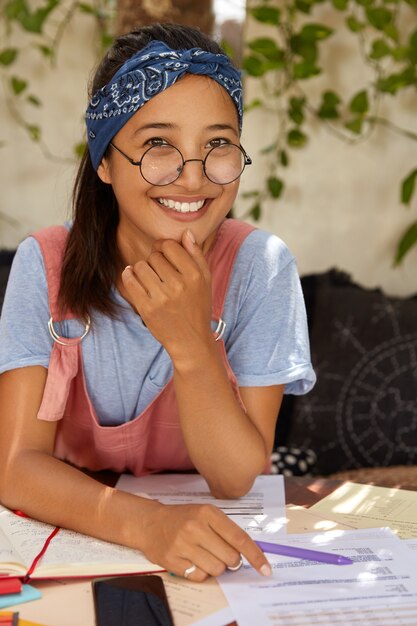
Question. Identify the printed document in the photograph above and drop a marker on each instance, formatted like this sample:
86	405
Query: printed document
382	581
366	506
261	512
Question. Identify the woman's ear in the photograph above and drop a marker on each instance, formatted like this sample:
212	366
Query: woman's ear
103	171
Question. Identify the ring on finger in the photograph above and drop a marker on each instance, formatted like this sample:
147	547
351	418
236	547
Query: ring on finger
189	570
235	568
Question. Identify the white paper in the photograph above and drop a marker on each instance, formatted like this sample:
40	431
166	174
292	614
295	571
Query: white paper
261	513
411	544
307	592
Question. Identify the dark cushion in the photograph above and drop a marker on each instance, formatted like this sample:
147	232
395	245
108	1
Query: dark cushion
6	258
363	410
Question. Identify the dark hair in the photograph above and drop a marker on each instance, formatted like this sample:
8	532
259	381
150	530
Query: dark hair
91	259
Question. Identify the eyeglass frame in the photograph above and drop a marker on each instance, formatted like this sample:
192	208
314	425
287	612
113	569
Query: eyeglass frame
247	161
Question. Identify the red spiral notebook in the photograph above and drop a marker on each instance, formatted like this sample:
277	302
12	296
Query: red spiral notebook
33	550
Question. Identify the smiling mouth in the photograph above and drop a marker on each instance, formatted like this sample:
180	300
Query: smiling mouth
182	207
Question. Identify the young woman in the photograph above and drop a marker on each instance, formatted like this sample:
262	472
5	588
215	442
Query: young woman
172	330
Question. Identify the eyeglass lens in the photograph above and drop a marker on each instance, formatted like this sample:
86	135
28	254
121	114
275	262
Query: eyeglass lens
162	165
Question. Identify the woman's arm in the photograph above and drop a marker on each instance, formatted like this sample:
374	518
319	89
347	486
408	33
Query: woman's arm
228	446
48	489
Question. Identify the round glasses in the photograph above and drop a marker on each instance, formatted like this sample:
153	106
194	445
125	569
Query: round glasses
162	165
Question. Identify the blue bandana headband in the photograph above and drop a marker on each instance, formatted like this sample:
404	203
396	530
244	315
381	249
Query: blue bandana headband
146	74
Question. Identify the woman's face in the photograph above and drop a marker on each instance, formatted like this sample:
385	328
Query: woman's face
195	114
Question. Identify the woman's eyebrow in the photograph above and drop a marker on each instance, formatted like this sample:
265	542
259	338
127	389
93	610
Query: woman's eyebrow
221	127
156	125
170	126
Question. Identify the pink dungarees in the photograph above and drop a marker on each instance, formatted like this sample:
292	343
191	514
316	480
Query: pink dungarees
153	440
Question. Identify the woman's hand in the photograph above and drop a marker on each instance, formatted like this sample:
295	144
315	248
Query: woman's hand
179	536
171	291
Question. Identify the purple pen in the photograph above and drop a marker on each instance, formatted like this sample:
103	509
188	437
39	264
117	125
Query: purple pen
303	553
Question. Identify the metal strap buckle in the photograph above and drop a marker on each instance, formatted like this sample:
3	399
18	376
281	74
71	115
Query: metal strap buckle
219	332
68	341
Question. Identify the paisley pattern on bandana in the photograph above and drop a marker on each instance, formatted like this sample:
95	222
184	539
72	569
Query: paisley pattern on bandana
147	73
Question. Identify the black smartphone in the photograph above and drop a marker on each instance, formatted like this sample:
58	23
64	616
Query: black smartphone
131	601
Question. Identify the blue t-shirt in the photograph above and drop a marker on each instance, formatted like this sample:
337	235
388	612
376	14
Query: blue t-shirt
125	367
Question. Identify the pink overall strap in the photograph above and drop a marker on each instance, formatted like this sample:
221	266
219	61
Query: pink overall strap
222	255
63	364
52	242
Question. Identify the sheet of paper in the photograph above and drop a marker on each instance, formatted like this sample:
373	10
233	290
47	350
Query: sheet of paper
306	592
301	520
192	603
366	506
411	543
261	512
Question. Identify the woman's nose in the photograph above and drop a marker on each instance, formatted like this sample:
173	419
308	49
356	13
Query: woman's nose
192	174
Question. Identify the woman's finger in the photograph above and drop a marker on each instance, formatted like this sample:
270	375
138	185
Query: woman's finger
160	264
190	245
241	542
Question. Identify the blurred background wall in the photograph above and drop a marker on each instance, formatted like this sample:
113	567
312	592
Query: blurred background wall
341	206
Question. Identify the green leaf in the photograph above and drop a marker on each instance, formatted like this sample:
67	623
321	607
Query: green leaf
305	69
297	116
355	126
407	241
365	3
33	22
380	49
296	110
379	17
106	41
394	82
47	51
328	108
296	138
354	25
304	5
34	131
283	158
18	85
297	103
392	32
315	32
305	49
275	186
399	53
407	187
255	212
254	104
8	56
266	15
253	66
86	8
267	48
340	5
250	194
228	48
34	100
412	47
80	148
359	103
331	98
14	8
270	148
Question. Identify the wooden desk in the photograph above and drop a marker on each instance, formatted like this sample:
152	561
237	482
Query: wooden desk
66	603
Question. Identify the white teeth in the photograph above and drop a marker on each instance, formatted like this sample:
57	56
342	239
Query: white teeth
181	207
